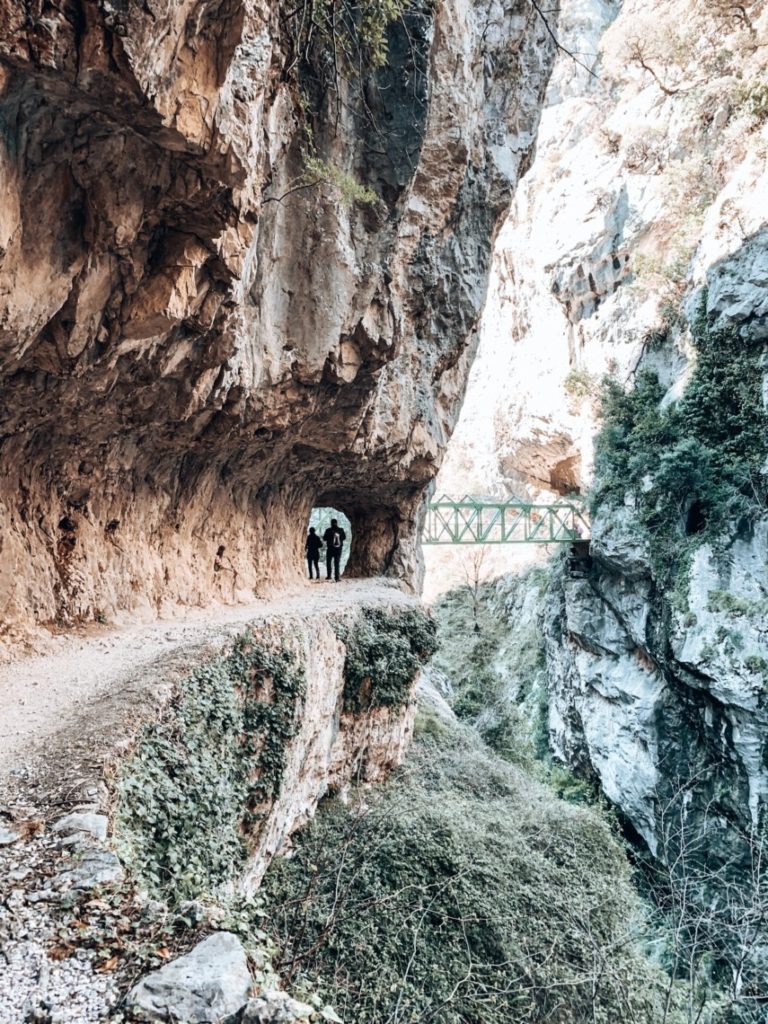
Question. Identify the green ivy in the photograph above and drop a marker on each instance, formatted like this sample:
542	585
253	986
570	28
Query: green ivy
201	779
385	649
694	467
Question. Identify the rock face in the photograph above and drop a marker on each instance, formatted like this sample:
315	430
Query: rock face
661	697
332	747
243	749
193	349
642	190
649	183
659	704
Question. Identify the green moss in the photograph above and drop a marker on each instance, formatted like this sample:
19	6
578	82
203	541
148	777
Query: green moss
202	778
385	649
461	892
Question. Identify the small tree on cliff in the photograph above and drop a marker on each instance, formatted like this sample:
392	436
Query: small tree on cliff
476	574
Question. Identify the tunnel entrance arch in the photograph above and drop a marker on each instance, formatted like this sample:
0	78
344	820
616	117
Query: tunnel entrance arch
320	517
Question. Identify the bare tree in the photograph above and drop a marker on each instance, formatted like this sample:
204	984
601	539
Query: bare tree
714	913
476	574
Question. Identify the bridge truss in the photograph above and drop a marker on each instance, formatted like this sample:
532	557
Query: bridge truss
471	520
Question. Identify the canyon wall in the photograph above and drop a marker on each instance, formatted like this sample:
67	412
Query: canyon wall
658	653
635	249
208	322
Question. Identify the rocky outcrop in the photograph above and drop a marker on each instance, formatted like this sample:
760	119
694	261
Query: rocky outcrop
178	799
202	332
250	742
667	707
640	189
645	200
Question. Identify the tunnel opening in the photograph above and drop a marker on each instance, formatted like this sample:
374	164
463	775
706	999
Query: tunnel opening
321	520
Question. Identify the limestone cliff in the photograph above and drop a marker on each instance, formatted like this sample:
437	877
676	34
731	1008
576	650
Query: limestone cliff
202	332
641	192
644	211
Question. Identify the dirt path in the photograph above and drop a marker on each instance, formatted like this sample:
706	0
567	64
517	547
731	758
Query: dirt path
97	676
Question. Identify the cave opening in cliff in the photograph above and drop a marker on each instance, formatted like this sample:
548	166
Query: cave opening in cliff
320	519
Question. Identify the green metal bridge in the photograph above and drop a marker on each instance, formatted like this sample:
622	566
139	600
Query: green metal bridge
471	520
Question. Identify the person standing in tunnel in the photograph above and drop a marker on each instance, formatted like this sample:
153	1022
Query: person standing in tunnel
334	538
313	553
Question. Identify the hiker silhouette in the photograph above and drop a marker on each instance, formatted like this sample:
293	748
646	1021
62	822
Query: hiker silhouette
334	538
313	553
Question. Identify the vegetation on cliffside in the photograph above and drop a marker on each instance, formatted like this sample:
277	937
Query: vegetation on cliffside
507	710
704	919
201	778
693	468
342	38
385	650
461	891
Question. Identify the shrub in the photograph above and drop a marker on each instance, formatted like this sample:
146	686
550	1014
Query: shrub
752	97
385	649
461	892
580	384
348	189
340	37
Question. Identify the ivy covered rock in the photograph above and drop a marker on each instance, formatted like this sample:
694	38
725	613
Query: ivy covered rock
385	650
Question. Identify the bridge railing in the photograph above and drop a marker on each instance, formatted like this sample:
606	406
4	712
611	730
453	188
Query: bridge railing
473	521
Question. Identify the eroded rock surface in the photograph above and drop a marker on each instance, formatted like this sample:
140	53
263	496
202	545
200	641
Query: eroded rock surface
644	207
662	704
193	352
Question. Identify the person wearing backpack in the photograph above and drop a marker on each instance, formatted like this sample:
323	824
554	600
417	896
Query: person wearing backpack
334	538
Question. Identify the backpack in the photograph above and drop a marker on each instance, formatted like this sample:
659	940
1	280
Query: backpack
336	539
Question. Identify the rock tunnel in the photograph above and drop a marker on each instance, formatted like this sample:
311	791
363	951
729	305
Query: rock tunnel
193	353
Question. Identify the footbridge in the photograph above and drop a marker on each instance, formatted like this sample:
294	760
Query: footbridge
473	520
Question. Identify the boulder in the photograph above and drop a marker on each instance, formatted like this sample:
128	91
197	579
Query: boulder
90	824
207	986
97	867
275	1007
9	834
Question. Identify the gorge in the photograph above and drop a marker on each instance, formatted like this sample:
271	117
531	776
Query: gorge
266	262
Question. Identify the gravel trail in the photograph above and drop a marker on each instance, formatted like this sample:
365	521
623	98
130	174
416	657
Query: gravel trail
42	696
